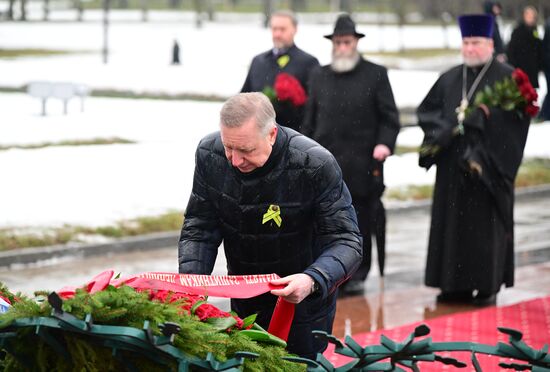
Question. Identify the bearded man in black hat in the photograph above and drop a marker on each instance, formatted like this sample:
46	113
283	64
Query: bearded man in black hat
477	150
284	57
352	113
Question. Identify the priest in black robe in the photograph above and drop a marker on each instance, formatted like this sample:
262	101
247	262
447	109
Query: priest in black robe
477	153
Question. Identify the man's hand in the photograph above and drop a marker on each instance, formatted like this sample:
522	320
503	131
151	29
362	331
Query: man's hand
298	287
381	152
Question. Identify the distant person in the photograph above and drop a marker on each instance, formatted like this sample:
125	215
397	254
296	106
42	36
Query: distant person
352	113
285	57
545	110
176	53
494	8
525	46
471	243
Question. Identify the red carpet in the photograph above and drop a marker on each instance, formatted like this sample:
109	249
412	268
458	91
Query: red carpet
532	318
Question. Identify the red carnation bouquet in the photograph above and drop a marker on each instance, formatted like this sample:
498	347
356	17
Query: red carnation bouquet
511	93
197	305
286	88
188	303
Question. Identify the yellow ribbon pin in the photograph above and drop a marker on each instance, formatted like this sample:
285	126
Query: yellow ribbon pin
273	213
283	60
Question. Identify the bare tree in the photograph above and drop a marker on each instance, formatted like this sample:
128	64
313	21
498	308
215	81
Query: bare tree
346	6
174	4
198	9
106	10
79	6
298	5
399	8
268	9
210	10
11	4
23	4
342	5
446	19
46	10
380	18
144	10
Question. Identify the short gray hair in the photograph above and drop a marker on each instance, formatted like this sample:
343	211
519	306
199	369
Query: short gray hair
238	109
286	13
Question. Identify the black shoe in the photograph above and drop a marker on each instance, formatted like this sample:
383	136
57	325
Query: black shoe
352	287
485	299
455	297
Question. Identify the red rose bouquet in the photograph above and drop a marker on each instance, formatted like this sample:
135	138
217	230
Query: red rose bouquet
511	93
286	88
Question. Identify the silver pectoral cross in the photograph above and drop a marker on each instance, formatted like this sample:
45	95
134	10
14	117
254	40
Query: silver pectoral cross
461	110
461	114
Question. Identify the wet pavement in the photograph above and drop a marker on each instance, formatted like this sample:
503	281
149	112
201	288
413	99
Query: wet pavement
398	299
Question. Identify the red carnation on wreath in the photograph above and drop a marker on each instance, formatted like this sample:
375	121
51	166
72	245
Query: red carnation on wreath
189	303
194	304
286	88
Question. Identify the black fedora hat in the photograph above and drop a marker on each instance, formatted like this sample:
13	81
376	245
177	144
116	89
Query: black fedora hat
344	26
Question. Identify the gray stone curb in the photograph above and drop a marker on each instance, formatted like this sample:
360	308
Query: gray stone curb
25	256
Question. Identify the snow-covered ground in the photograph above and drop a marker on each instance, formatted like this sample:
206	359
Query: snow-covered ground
215	58
98	185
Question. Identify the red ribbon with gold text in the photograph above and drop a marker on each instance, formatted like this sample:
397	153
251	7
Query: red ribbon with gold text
226	286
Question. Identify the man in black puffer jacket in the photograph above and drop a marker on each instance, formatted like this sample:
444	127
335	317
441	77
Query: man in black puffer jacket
253	167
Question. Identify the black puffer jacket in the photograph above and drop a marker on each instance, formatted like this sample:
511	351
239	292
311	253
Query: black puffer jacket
318	235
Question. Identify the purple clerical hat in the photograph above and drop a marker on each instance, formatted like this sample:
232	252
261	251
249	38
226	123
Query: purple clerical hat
476	25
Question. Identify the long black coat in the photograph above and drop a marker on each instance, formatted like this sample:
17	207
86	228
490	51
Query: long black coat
349	114
263	71
471	243
546	47
525	51
318	235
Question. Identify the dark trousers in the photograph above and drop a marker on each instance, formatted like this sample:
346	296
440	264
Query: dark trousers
371	217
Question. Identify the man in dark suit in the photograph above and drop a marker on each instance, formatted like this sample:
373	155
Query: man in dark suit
352	113
285	57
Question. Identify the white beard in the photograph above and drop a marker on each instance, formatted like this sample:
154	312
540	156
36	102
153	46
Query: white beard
344	64
475	62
